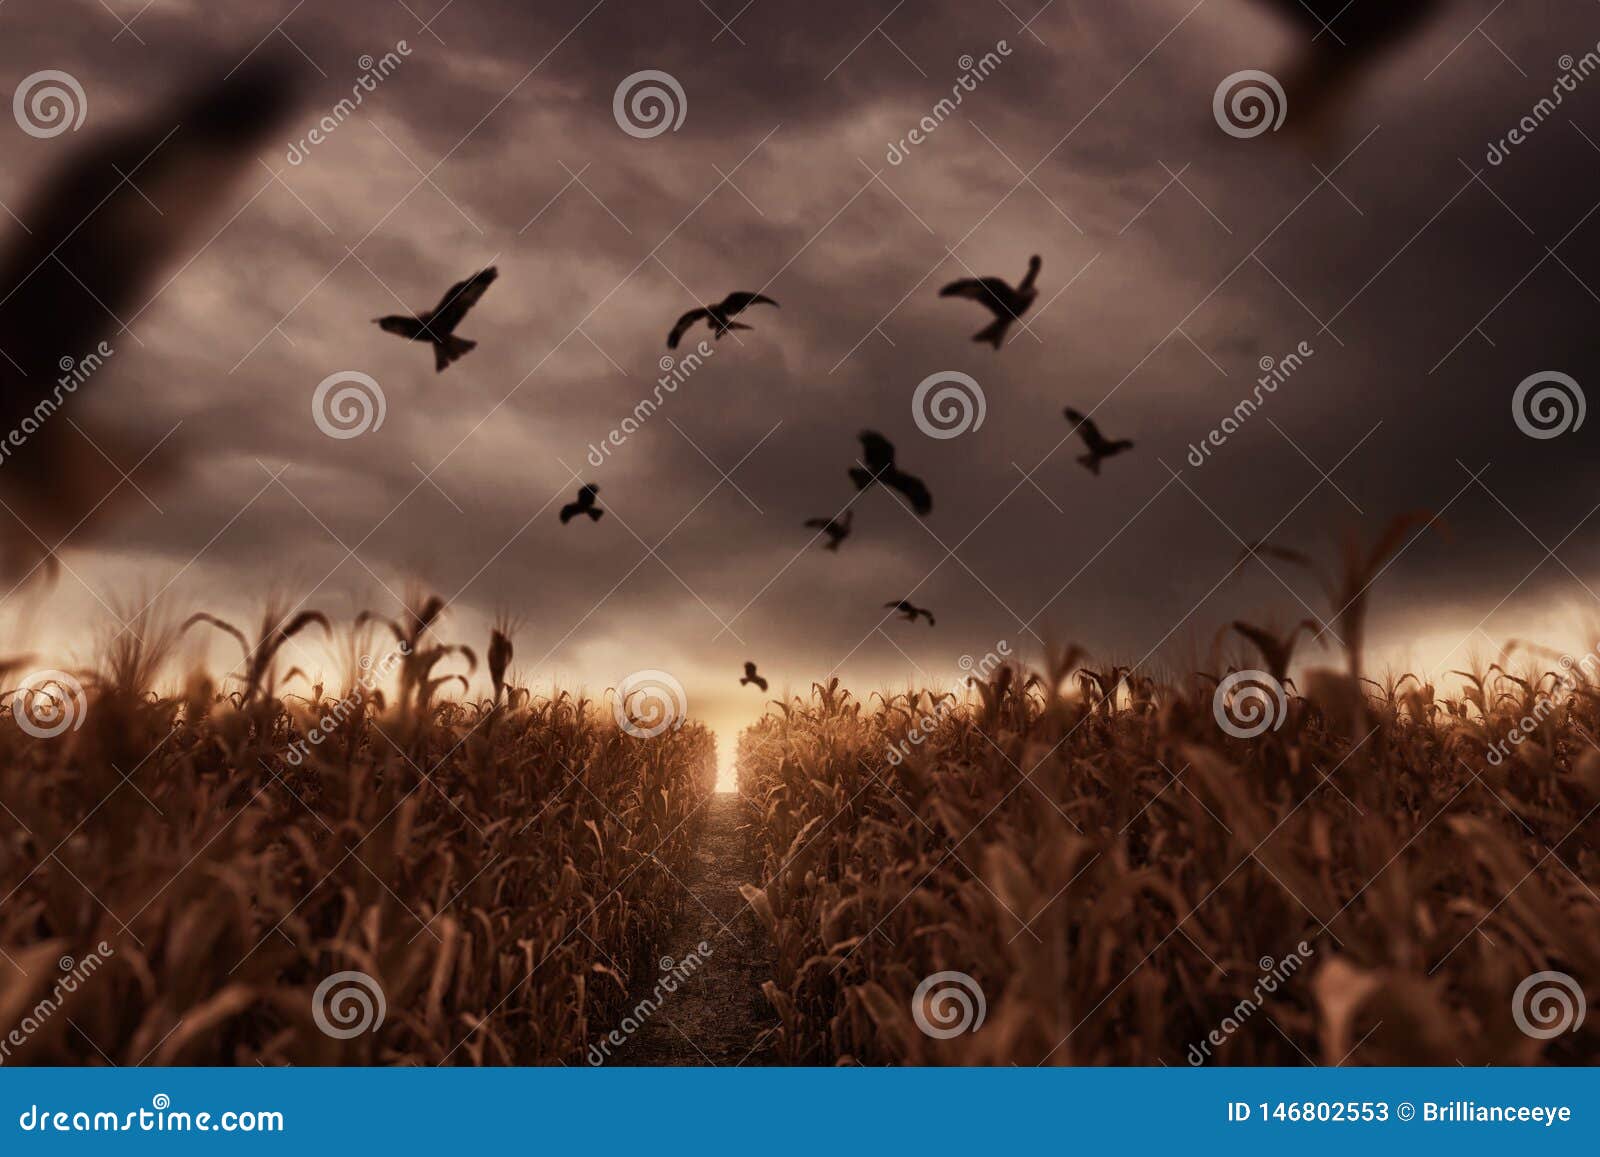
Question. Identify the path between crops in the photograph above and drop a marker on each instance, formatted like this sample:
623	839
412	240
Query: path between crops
718	1015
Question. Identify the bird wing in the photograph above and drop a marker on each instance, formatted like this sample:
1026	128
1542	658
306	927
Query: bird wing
877	451
92	251
977	288
443	318
1359	25
915	490
408	327
819	523
738	302
683	325
1087	430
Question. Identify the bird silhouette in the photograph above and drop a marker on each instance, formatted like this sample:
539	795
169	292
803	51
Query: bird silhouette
1099	446
911	612
837	529
750	676
438	325
92	242
994	294
719	316
878	452
583	505
1347	36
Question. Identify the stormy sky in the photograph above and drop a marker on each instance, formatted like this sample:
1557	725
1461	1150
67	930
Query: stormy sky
1426	282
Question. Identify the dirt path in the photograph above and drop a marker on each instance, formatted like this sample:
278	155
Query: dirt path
717	1016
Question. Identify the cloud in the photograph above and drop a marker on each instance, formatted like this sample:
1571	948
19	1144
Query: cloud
1194	254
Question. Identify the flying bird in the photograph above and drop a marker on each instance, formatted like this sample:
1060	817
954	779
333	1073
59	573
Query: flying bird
583	505
905	607
1345	38
878	452
750	676
92	246
1099	446
1007	304
837	529
438	325
719	316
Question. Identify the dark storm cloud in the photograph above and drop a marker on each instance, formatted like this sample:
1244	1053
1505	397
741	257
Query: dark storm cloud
603	239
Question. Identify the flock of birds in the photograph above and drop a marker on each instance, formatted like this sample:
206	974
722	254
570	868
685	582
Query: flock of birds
877	463
91	251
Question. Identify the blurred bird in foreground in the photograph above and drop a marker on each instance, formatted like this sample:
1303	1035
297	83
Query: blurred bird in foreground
750	676
909	611
1345	38
999	298
719	316
837	529
1100	447
93	241
583	505
438	325
878	453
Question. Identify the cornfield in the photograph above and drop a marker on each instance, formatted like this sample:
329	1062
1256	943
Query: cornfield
1115	872
496	868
